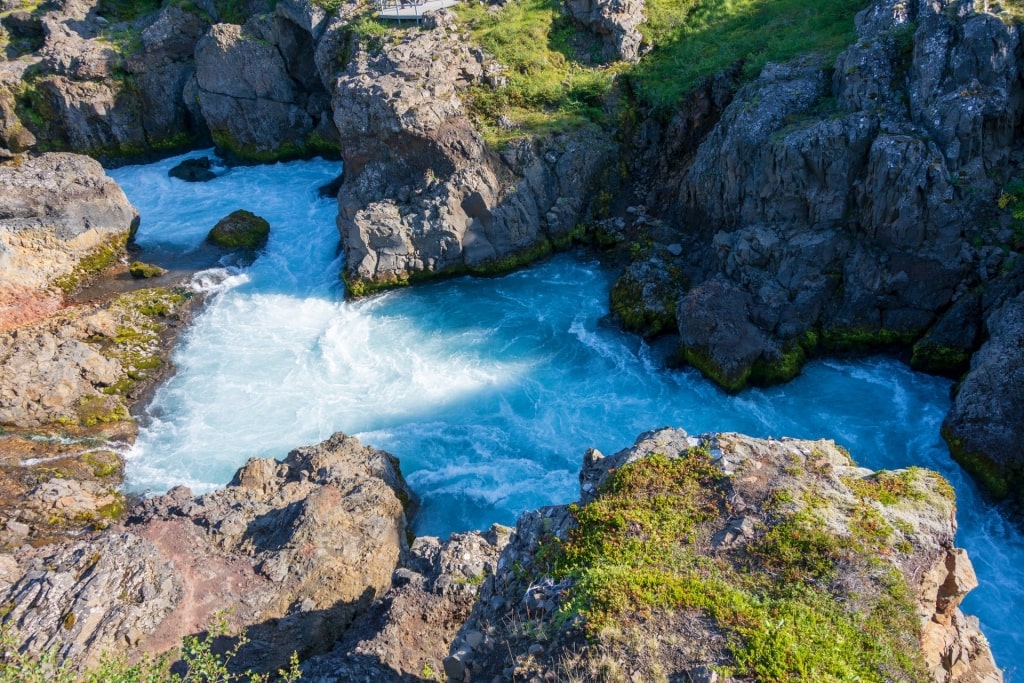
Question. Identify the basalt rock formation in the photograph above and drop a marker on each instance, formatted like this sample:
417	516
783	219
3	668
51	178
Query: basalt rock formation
422	194
259	90
851	206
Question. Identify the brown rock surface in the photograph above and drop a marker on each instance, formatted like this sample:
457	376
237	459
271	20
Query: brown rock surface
298	548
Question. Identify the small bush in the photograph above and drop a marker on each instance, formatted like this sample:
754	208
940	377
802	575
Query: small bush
200	663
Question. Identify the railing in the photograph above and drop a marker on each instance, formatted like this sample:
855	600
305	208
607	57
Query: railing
409	9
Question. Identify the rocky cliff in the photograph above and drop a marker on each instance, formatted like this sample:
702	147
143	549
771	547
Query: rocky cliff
422	193
847	206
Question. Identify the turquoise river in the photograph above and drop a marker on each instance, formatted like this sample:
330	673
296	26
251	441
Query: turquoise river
488	390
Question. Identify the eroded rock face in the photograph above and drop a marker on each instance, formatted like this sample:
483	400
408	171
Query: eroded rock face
260	91
421	192
55	210
836	211
766	481
299	547
411	628
113	92
983	427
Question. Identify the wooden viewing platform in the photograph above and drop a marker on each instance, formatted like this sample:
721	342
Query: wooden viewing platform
390	9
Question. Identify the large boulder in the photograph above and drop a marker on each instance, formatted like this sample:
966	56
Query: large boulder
240	229
296	549
772	558
60	215
260	91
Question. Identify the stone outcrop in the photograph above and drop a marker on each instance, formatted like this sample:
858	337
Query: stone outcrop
851	206
55	210
310	554
67	384
298	547
843	212
259	89
526	624
422	194
984	425
409	630
616	22
113	91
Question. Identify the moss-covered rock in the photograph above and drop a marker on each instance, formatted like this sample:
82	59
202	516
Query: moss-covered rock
240	230
144	271
753	559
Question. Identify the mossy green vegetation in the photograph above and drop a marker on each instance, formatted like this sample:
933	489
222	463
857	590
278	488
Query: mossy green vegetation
96	261
554	82
888	488
138	269
240	229
998	482
641	546
694	39
142	316
549	87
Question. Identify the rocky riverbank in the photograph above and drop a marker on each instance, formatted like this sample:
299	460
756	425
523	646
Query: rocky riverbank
858	204
311	554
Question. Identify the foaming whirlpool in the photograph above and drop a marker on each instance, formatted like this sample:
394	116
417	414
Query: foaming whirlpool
488	390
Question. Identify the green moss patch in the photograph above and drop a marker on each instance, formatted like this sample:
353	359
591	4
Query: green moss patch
994	479
888	488
144	271
93	263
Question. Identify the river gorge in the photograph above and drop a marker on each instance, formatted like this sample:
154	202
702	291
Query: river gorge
487	389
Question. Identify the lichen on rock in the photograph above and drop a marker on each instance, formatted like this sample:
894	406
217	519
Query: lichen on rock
732	556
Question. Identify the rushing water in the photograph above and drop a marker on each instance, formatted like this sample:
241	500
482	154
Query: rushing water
488	390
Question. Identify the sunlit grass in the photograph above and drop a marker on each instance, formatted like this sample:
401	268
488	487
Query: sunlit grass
695	39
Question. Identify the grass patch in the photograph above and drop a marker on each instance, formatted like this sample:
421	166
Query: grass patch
548	89
886	487
638	547
694	39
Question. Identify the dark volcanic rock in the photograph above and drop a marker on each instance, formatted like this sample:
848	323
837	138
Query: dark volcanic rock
193	170
615	21
843	208
984	427
421	192
260	91
79	97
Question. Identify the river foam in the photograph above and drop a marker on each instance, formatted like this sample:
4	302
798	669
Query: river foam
488	390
